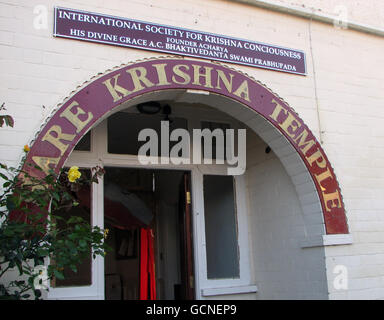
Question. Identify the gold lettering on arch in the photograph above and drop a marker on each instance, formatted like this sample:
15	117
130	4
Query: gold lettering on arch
242	91
290	125
73	117
55	136
177	70
45	162
117	92
139	78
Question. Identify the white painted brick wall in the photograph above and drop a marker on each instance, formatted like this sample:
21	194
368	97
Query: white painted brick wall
366	12
38	70
283	270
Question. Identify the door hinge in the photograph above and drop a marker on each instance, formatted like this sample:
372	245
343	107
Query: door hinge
188	196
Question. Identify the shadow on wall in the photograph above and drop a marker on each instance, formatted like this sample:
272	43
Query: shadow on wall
282	268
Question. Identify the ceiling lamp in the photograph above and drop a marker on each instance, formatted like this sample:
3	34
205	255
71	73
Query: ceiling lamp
150	107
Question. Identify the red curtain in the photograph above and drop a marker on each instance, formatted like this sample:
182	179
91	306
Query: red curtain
147	265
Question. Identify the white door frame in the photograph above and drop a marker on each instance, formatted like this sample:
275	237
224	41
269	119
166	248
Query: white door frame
98	156
96	290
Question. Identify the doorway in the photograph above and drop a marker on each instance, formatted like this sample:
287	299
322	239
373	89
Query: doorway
148	215
160	187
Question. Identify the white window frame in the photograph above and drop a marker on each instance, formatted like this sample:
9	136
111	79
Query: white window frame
219	286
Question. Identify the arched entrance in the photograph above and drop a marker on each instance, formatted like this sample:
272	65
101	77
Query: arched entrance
227	90
263	111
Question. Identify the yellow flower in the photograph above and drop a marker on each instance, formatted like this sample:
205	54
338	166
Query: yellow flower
26	148
74	174
106	233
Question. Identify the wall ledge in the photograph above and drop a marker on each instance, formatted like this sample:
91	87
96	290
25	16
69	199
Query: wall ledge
327	240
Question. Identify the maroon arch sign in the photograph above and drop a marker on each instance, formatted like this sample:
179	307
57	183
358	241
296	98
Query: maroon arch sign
78	114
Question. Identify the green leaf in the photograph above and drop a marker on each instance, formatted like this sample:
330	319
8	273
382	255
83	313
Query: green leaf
8	232
4	176
42	252
10	203
37	293
74	219
9	121
56	196
19	267
59	275
7	184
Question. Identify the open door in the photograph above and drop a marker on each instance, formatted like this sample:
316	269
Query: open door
186	243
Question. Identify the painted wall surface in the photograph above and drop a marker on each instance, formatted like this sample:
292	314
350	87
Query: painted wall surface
360	11
341	98
282	269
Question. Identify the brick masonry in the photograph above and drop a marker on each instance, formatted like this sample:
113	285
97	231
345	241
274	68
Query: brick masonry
39	71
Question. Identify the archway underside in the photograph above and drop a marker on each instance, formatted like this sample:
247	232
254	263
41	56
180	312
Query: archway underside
235	93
